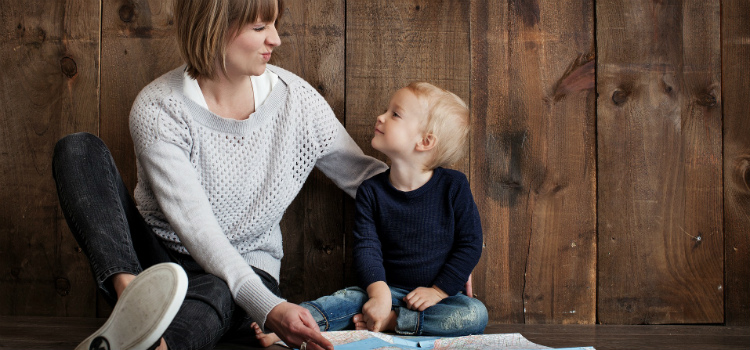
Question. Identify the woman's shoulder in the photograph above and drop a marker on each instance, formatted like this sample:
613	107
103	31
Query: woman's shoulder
286	76
292	81
162	87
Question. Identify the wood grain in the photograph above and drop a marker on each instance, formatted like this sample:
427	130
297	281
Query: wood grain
533	165
736	89
138	46
49	59
312	36
659	160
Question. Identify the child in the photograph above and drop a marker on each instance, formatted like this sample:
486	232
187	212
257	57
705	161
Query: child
417	230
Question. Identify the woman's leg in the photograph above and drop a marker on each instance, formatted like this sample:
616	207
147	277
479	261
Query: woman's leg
100	212
107	225
457	315
205	315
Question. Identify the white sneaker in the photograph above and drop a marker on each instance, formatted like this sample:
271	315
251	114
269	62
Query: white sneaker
143	312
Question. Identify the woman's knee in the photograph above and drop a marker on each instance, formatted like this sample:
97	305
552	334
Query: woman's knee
75	145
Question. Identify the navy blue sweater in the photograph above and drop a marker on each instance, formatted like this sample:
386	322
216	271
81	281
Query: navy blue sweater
429	236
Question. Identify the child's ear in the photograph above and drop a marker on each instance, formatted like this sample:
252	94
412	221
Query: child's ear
427	143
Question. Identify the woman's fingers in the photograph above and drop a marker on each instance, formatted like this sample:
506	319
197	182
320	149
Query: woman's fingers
316	338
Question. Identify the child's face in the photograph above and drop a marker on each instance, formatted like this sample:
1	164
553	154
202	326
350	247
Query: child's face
399	129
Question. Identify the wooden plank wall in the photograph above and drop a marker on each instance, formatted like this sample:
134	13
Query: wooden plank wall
533	162
609	155
735	79
659	157
49	56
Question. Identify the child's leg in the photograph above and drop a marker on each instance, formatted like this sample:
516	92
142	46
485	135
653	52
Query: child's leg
334	312
457	315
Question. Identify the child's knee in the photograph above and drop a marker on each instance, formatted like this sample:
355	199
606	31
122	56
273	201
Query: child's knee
470	319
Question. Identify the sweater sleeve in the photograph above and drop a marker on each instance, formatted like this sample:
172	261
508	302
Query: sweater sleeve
339	157
162	151
467	244
367	252
345	163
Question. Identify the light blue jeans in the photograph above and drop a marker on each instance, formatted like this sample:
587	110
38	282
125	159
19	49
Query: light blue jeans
454	316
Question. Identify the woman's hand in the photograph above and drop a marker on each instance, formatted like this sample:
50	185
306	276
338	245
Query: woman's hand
294	325
423	297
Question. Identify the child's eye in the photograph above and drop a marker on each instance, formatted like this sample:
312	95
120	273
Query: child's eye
395	115
259	29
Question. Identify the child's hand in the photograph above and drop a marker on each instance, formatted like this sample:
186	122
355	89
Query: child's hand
375	313
423	297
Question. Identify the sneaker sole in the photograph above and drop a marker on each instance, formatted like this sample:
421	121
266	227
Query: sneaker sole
143	312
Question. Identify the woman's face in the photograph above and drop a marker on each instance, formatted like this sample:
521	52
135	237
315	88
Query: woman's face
248	52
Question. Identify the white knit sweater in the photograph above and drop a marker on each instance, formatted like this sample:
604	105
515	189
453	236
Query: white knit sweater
217	188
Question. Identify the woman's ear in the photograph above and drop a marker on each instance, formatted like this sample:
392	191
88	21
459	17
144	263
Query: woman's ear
427	143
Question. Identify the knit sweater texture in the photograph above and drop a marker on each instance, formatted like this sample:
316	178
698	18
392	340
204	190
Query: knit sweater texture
217	188
420	238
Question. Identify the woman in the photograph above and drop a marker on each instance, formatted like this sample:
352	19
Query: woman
223	145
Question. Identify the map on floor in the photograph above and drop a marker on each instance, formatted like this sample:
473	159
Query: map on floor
366	340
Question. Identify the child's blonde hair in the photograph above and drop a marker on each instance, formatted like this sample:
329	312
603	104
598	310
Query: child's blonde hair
204	27
447	119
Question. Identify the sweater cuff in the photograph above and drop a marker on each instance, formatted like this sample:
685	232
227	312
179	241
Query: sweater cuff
451	285
369	277
257	301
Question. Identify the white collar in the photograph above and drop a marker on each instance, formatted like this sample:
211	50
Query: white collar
262	87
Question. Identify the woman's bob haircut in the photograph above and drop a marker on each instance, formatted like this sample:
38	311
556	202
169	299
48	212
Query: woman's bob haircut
204	27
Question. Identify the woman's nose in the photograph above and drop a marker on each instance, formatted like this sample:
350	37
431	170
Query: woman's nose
273	37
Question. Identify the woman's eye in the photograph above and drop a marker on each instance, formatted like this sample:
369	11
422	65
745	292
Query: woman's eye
259	29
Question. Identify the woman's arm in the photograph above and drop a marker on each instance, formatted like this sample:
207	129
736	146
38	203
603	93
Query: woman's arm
345	163
183	201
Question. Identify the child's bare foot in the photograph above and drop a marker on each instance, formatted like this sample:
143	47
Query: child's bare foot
265	339
359	322
389	324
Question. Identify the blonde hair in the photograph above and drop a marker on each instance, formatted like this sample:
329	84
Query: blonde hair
204	27
447	119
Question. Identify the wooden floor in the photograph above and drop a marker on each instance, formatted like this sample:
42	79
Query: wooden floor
65	333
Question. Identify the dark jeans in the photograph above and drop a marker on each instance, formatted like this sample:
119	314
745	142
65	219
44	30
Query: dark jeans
115	238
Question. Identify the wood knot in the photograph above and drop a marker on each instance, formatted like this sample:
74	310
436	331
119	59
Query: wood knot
321	89
127	13
619	97
707	100
741	174
418	8
68	67
62	286
328	249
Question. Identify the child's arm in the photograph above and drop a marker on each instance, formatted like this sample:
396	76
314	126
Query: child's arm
467	244
368	261
378	307
423	297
